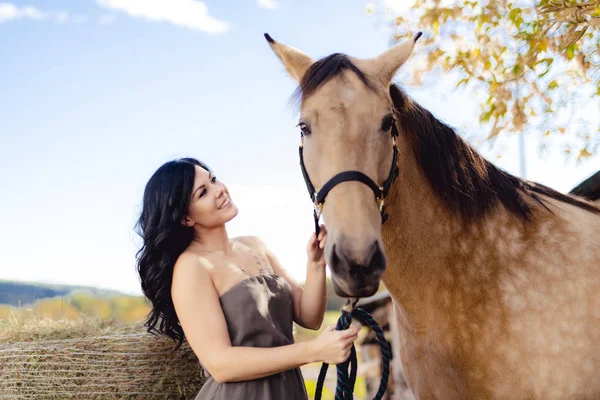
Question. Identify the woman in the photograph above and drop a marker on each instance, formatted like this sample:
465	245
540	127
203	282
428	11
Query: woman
229	298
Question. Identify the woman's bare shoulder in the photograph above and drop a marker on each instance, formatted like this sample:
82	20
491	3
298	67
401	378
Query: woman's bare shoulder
190	264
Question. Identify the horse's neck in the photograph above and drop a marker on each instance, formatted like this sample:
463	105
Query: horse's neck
428	246
416	236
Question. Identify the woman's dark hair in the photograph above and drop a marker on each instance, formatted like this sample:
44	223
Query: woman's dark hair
166	202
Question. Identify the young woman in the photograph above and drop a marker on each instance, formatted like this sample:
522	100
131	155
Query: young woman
230	298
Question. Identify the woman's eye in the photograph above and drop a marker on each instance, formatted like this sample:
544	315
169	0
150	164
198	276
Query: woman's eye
304	129
203	193
214	179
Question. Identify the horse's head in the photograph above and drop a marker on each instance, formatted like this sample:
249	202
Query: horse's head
347	120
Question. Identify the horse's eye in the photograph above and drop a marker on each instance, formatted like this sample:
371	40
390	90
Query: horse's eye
304	129
387	123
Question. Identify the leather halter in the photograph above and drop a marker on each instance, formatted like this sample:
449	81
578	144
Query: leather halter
380	192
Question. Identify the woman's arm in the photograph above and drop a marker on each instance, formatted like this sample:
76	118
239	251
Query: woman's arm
199	311
309	302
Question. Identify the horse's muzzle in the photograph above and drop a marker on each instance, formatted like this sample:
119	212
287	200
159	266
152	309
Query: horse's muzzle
357	273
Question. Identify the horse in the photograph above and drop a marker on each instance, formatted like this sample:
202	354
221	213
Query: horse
495	280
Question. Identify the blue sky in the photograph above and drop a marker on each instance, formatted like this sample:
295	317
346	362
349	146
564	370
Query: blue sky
95	95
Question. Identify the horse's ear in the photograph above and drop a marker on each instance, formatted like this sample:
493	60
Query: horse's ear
387	64
296	62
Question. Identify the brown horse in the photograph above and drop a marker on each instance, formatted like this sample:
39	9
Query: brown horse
495	280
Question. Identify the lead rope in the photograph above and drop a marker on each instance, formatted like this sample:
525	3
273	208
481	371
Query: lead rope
345	381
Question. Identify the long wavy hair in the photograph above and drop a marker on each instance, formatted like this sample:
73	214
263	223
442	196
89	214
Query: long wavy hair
166	201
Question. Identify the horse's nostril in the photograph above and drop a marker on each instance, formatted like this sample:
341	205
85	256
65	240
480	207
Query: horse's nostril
335	258
377	261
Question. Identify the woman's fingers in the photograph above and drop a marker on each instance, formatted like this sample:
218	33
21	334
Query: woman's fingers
322	236
323	241
351	332
312	242
322	232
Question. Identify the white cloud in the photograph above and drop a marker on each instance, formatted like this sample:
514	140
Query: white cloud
268	4
106	19
32	12
10	12
192	14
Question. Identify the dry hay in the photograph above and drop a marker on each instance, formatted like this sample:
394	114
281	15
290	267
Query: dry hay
87	359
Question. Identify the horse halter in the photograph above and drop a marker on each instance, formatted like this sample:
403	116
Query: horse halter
380	192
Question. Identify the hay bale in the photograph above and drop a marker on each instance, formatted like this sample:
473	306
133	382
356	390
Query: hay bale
68	360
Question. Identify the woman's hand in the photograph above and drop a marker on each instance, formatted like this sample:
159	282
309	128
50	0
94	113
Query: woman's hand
333	347
315	248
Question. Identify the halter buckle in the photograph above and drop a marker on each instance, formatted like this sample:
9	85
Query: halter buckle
301	140
381	204
318	206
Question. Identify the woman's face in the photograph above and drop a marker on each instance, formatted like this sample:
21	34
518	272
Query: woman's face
210	204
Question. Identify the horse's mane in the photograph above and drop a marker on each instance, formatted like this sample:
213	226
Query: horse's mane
468	184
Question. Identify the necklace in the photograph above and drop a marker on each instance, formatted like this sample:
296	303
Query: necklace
239	265
243	270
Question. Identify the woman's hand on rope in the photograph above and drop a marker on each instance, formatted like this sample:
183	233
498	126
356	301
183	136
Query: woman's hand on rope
314	250
333	347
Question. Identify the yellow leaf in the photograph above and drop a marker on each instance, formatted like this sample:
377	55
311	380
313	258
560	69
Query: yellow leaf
547	133
463	81
562	129
583	153
495	132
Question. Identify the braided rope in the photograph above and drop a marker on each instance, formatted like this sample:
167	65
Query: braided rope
345	382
